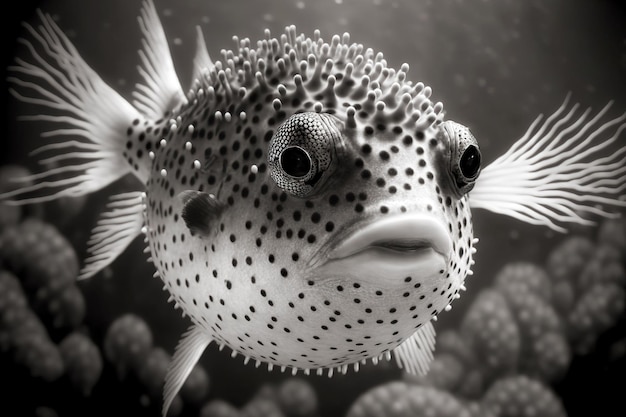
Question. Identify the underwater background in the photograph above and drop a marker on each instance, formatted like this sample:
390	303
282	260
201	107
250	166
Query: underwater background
495	65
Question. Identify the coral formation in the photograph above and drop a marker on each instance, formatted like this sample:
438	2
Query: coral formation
83	361
521	396
292	397
40	304
35	350
490	328
297	398
23	335
47	266
127	341
401	399
151	373
261	407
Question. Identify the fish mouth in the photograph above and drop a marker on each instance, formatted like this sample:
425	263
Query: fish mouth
393	246
405	234
390	249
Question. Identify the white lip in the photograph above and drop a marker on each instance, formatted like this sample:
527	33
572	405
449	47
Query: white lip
385	252
415	229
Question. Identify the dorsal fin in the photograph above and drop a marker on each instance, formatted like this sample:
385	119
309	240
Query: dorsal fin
188	351
416	352
114	231
161	91
201	61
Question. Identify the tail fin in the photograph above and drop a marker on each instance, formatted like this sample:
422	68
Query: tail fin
86	109
98	123
562	171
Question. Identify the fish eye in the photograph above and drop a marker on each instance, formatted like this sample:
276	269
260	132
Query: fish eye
303	153
470	162
295	162
464	157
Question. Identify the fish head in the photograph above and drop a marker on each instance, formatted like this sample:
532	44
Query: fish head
384	226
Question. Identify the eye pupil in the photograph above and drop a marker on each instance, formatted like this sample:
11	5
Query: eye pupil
470	162
295	161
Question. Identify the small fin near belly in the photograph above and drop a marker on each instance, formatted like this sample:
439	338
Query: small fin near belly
188	351
416	352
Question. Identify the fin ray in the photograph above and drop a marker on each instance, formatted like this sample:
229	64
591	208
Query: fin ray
161	90
416	353
556	173
114	231
202	61
188	351
55	77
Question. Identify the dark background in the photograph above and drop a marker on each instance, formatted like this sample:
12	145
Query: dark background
495	65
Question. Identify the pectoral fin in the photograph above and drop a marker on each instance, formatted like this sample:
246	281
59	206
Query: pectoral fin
566	170
200	211
115	230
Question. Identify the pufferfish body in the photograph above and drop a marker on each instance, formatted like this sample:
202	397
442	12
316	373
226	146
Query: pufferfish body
305	204
321	230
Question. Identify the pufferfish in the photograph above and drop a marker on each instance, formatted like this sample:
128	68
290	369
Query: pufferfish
304	204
